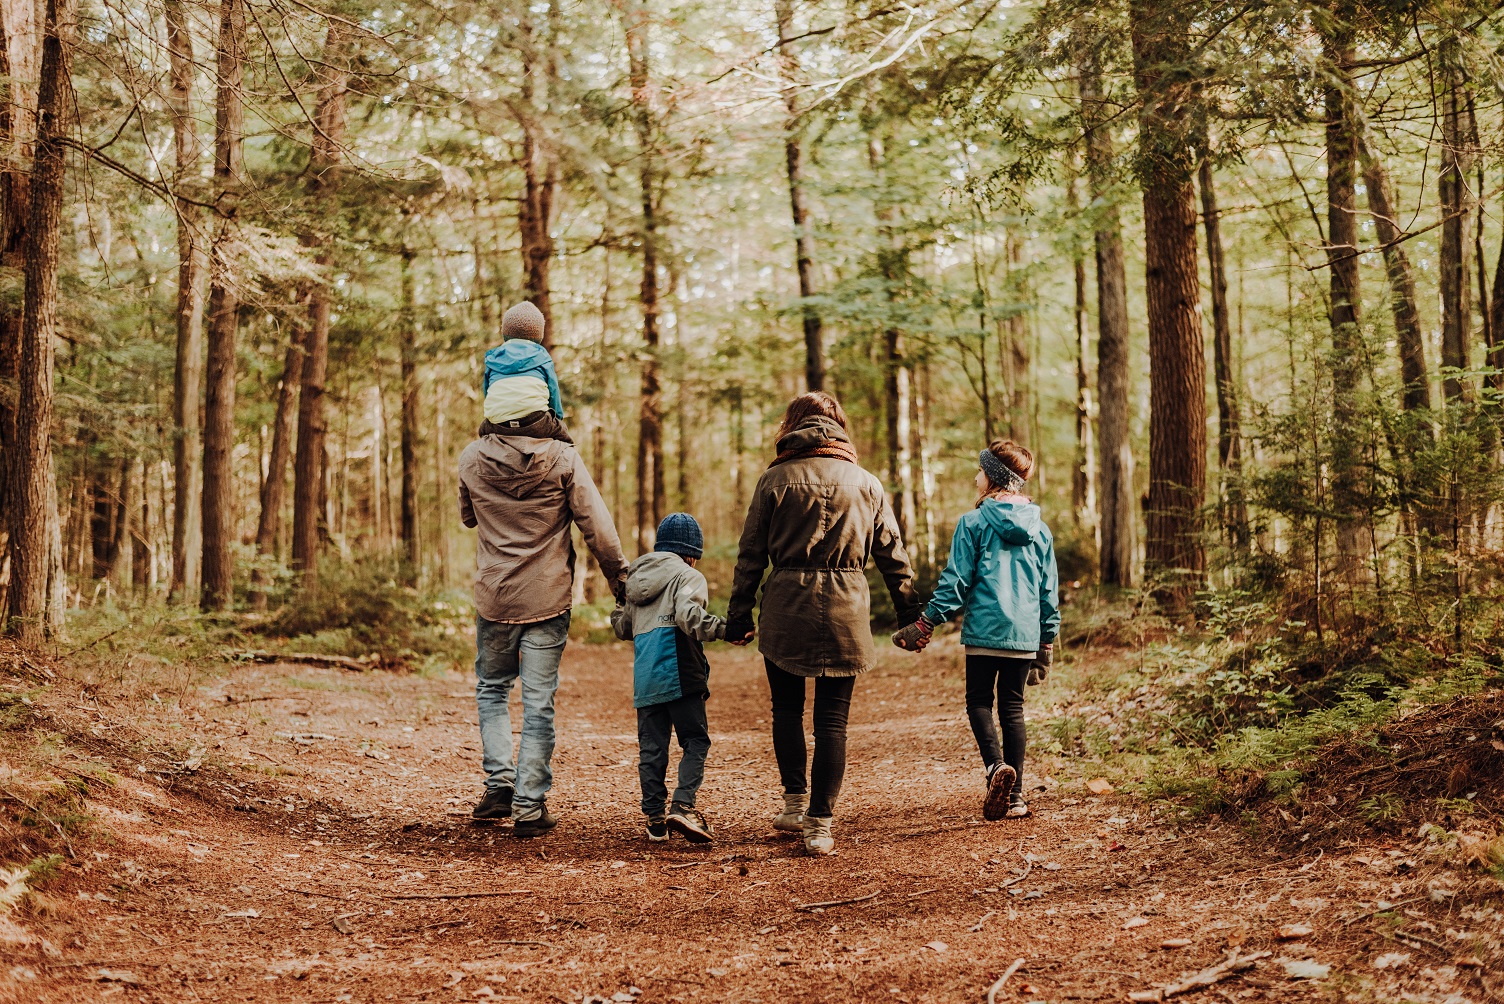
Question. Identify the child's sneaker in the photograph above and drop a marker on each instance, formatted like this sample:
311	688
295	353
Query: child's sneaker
999	791
1017	807
657	829
690	824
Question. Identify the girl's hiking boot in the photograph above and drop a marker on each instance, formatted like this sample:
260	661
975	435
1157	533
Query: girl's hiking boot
690	824
791	819
657	829
497	804
817	839
1017	807
999	792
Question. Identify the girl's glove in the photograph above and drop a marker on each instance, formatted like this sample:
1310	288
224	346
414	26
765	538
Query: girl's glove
914	637
1039	669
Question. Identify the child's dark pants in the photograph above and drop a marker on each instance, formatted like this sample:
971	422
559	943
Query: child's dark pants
984	674
832	708
655	723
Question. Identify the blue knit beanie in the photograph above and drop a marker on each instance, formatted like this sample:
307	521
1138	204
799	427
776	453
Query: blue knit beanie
680	534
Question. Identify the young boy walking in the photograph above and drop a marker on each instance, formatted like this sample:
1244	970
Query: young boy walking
1002	576
666	618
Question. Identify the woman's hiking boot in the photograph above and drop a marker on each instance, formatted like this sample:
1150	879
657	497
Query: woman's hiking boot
497	804
791	819
817	838
1017	807
999	791
690	824
657	829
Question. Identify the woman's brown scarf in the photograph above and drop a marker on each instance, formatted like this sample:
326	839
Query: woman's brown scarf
829	448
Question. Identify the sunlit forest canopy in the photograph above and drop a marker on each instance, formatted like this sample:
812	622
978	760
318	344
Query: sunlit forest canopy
1231	272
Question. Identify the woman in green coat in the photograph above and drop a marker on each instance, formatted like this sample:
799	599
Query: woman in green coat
817	517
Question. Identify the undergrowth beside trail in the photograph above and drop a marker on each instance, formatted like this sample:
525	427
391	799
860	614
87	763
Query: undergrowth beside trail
1256	715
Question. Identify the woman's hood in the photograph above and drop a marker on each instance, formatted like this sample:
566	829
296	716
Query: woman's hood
812	432
1016	522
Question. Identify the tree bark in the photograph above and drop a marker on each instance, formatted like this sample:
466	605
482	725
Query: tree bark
274	488
309	488
1016	354
793	156
36	593
1177	363
412	547
650	475
1115	496
123	547
1083	472
540	173
1229	436
1403	302
224	311
1346	362
187	374
1456	214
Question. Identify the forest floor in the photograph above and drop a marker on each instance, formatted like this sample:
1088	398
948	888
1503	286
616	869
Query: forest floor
280	832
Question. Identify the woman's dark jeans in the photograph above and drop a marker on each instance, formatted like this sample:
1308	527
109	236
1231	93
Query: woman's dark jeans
984	674
832	708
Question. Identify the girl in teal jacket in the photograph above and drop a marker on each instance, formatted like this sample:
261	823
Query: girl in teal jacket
1002	577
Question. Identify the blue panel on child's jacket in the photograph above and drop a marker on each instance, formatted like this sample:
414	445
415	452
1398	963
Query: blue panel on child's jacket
655	670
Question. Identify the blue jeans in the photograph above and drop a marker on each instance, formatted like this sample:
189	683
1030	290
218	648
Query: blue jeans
686	716
505	652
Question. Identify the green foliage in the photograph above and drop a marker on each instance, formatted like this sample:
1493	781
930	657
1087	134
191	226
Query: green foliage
361	609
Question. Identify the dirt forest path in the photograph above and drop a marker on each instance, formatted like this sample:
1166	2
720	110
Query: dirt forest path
322	851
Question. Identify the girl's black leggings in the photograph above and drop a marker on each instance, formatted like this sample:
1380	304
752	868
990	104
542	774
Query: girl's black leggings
832	708
984	674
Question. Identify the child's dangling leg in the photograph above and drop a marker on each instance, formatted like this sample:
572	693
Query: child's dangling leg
983	673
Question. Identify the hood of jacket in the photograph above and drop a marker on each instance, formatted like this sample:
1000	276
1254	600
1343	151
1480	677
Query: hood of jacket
515	355
651	574
812	432
1015	522
516	465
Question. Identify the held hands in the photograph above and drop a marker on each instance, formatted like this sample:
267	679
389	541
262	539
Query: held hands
916	636
740	631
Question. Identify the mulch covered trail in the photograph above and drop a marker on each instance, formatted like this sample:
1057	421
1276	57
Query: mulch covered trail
321	850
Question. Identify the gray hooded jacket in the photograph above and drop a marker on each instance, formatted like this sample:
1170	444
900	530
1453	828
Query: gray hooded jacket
666	619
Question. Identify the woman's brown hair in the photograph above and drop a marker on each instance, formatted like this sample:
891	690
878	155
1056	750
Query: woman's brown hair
809	405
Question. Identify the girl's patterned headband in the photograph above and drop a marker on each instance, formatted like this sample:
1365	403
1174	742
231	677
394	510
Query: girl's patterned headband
1003	477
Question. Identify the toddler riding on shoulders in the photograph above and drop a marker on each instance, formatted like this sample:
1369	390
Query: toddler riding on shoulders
520	386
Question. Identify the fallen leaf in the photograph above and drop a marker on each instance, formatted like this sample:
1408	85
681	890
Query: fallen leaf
1115	846
1291	932
1468	962
1133	922
1099	786
483	992
717	972
118	976
1028	988
1175	943
622	998
1305	969
454	980
1392	960
1497	744
343	926
247	912
938	946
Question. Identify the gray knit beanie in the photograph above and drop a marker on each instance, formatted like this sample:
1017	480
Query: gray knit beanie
522	321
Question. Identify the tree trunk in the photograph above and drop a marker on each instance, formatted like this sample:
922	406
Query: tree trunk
1456	214
650	474
1016	354
1229	437
123	548
540	173
1115	496
793	155
412	550
1177	362
36	593
274	488
1403	302
309	489
1083	473
224	310
187	374
1346	295
20	53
